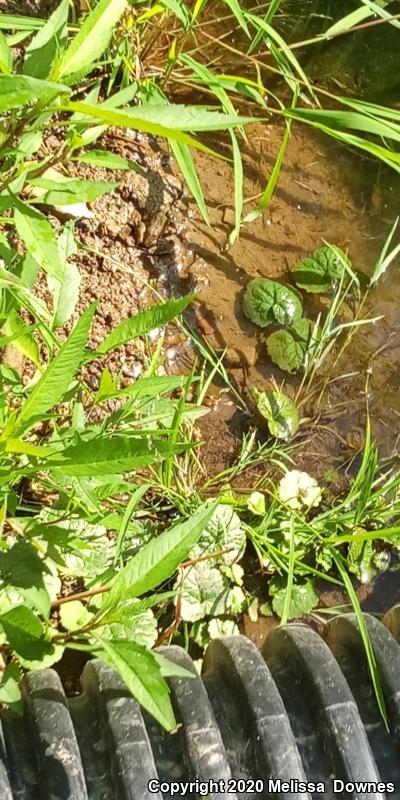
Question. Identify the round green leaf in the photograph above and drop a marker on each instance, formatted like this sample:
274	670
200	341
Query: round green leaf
321	270
280	412
287	348
267	301
284	351
303	598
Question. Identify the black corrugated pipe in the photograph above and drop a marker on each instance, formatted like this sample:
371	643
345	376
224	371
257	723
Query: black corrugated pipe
297	720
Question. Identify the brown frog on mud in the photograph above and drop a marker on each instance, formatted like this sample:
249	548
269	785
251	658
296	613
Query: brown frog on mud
154	203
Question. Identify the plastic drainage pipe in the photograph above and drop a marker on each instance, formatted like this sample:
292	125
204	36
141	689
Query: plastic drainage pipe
296	720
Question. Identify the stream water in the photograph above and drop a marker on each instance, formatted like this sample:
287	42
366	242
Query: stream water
326	192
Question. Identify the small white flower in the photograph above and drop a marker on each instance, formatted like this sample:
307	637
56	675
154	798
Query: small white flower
298	490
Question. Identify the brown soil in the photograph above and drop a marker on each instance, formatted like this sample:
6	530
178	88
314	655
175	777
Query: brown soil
325	193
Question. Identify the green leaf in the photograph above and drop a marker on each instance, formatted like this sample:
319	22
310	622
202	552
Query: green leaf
140	671
287	348
169	121
139	628
303	598
10	693
179	9
66	292
280	412
267	301
26	636
5	55
236	9
93	36
39	239
368	647
204	592
103	158
18	90
22	568
322	270
187	167
224	532
53	384
23	341
143	322
44	48
158	559
110	455
74	615
67	191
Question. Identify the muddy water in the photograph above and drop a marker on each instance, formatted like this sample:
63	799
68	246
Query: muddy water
325	193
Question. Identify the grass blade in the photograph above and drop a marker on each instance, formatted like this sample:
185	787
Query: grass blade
369	652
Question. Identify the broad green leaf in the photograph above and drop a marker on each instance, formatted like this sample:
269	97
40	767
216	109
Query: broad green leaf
179	117
39	239
140	671
18	90
74	615
53	384
287	348
5	55
139	628
143	322
93	36
44	48
26	637
22	568
68	191
280	412
321	270
10	693
157	560
303	598
267	301
110	455
224	533
204	592
29	143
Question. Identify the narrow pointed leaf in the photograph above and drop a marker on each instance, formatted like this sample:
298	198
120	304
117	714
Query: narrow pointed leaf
53	384
140	671
93	36
158	559
143	322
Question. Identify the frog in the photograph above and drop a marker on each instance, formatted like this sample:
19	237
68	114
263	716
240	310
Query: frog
155	204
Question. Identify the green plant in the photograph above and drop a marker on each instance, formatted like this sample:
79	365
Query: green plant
267	301
59	497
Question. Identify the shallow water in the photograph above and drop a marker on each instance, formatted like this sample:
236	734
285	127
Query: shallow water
325	193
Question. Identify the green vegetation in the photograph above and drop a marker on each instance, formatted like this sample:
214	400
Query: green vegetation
114	535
